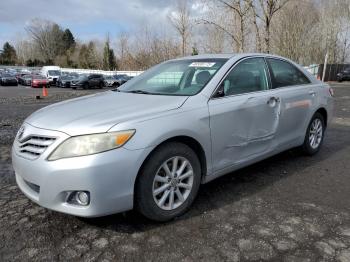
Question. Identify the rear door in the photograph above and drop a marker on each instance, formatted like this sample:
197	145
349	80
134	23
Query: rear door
244	115
298	97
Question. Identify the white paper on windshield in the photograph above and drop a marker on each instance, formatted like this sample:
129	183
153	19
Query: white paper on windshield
202	64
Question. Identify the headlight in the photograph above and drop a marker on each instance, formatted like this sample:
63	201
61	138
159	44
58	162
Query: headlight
91	144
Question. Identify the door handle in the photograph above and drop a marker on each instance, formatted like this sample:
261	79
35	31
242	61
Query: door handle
312	93
273	101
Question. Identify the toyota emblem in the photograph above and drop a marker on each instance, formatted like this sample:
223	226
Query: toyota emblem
20	133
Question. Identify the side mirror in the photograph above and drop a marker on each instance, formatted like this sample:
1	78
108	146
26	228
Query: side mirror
220	92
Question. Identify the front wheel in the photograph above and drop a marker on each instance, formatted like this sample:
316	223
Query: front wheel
168	182
314	135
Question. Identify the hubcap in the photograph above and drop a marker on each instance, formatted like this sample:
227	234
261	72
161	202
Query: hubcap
173	183
316	133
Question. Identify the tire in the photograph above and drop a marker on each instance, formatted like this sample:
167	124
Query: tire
86	86
146	184
74	87
101	85
309	147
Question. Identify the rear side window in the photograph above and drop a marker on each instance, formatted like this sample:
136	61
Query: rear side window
285	74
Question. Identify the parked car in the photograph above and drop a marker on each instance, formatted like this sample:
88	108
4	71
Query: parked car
19	75
149	144
40	81
25	80
122	78
344	75
7	79
110	81
51	73
88	81
64	81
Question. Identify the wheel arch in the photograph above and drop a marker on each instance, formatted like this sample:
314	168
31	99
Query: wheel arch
184	139
324	113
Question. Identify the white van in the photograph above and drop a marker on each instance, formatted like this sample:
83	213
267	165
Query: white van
52	73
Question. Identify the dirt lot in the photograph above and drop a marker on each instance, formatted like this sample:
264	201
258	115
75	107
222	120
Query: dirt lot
289	207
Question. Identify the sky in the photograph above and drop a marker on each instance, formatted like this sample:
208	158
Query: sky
87	19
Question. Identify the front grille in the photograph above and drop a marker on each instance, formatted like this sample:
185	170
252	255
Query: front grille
34	145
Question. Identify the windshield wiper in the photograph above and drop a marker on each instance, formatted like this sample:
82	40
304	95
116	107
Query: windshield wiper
140	92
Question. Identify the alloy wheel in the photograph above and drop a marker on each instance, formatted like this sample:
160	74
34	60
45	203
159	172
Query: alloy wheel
173	183
316	133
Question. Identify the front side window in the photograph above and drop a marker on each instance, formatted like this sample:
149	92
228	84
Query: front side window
285	74
250	75
179	77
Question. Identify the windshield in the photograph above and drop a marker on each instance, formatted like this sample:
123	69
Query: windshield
6	75
66	77
53	72
179	77
39	77
82	77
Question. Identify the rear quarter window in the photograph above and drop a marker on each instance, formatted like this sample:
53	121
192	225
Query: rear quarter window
284	74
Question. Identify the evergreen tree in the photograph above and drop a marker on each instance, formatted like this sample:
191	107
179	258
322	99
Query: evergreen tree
194	51
68	39
8	55
109	61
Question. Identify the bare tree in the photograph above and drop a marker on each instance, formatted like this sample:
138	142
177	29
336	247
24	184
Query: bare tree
236	22
293	30
46	36
213	40
265	10
182	22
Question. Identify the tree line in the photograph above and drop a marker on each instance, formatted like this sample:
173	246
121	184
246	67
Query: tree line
302	30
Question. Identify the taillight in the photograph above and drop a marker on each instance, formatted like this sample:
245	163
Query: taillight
331	91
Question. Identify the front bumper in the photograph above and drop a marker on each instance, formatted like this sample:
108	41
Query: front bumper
108	84
53	81
64	84
108	176
72	84
9	82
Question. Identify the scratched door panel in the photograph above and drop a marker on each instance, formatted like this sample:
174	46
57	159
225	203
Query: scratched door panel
296	104
242	127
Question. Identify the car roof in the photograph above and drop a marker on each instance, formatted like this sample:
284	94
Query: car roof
207	56
229	56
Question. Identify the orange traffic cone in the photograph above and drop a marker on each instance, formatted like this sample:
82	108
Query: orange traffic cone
44	91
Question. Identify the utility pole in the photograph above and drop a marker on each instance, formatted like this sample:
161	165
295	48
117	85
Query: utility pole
325	66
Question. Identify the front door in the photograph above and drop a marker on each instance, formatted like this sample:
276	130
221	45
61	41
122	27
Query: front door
244	119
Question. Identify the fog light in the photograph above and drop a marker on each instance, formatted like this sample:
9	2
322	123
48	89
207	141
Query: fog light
82	198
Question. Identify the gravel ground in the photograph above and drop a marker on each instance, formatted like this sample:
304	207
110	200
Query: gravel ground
287	208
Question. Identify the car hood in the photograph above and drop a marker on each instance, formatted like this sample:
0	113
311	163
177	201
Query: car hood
99	112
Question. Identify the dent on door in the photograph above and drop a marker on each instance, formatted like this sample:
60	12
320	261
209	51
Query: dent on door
242	128
260	117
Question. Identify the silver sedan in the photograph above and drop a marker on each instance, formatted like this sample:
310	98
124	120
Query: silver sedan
150	144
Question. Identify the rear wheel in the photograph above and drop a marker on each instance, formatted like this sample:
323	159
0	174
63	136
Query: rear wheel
168	182
86	86
314	135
